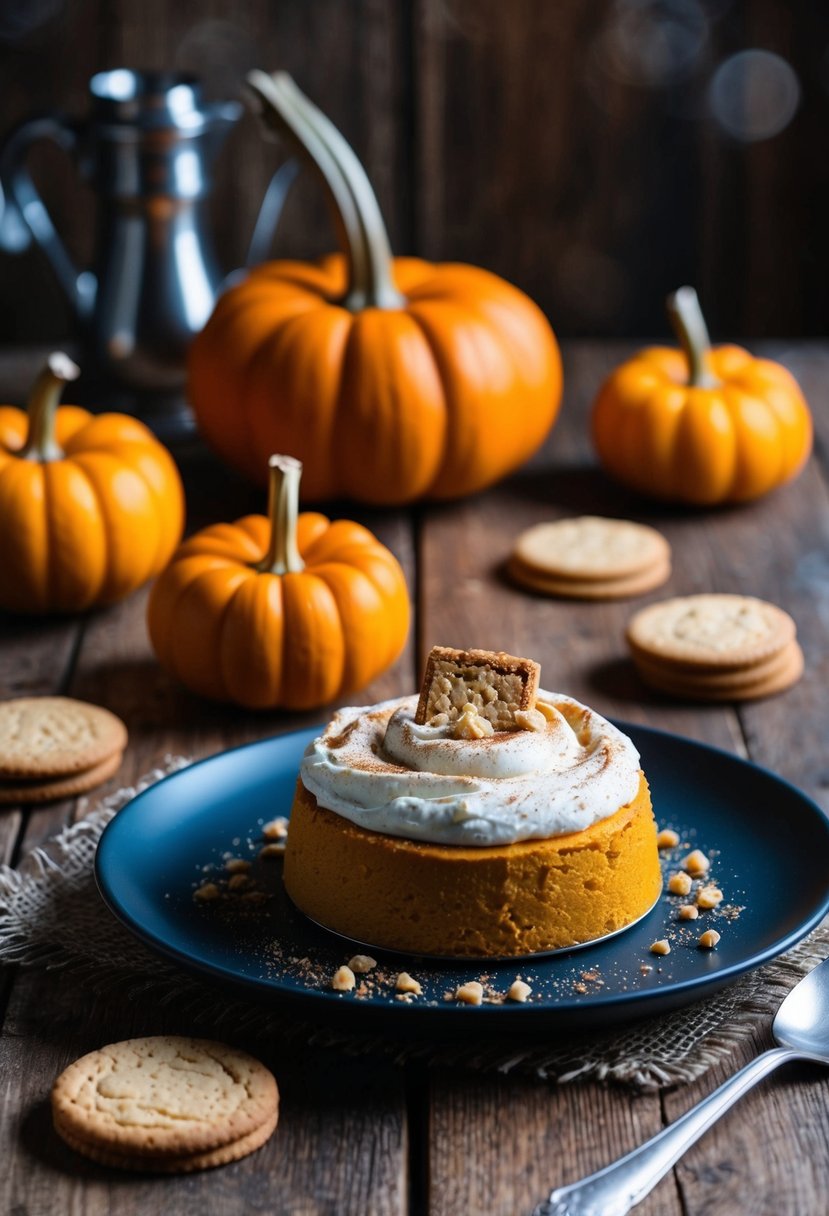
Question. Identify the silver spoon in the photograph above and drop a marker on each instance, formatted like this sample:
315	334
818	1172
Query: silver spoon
801	1027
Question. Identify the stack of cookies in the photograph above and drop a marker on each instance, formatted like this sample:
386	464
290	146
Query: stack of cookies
55	747
165	1104
591	558
716	647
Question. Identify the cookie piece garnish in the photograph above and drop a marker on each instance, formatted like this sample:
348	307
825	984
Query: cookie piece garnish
497	685
165	1101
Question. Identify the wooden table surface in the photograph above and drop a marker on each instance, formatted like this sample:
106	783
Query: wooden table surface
365	1137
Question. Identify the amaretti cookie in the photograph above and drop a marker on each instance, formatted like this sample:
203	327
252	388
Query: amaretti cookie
716	647
165	1104
450	837
590	557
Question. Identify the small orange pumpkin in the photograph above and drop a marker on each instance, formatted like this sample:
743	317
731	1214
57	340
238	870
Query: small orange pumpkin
701	426
281	612
391	379
91	506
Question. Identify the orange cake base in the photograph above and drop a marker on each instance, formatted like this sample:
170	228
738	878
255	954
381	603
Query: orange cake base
505	901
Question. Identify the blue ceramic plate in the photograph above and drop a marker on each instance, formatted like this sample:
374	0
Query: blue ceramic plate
768	841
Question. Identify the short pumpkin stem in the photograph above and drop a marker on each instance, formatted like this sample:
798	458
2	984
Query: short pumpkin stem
42	407
689	326
283	556
357	212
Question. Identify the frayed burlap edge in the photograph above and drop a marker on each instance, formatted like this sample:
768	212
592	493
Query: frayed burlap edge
51	916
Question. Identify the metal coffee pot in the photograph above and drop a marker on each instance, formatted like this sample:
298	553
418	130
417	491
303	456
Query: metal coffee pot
147	148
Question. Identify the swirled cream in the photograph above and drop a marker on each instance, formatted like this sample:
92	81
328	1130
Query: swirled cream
383	771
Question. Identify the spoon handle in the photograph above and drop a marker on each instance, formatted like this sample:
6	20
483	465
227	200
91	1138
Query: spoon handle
616	1189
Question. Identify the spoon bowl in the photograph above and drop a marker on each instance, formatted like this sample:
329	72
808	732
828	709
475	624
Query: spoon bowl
802	1021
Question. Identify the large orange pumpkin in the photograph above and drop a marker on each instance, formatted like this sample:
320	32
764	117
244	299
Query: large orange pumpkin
286	611
391	379
701	426
90	506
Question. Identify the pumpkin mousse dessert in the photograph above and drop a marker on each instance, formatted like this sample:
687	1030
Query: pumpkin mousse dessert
484	818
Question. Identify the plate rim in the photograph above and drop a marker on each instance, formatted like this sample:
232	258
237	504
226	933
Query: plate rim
321	1000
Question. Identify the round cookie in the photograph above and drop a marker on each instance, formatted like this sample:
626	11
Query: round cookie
747	684
710	631
187	1164
591	548
625	587
43	737
16	792
163	1098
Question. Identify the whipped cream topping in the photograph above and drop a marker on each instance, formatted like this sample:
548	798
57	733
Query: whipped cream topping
378	768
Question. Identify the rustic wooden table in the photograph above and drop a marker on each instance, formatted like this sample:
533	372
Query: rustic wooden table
368	1137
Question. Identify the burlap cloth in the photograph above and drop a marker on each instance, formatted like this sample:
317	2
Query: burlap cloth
52	916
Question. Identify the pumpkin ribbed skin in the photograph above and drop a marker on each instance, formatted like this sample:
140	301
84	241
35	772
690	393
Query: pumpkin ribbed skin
436	399
90	527
661	436
295	640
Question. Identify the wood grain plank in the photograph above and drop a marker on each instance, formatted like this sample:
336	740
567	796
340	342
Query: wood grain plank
501	1146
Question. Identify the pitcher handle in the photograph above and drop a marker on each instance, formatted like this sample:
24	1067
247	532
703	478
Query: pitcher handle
78	285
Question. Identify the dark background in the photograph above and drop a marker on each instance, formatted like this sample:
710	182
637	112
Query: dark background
596	153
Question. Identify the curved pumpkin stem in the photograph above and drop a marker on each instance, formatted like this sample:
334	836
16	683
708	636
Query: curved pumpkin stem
359	219
688	323
44	396
283	556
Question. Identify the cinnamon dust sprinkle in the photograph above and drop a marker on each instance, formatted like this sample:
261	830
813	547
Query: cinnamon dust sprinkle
245	895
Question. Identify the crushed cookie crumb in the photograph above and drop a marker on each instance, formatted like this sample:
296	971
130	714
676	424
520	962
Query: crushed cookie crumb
239	882
470	724
471	993
276	849
680	883
580	988
688	912
697	864
709	939
405	983
361	964
709	897
276	829
343	980
206	892
530	719
519	991
237	865
667	839
661	947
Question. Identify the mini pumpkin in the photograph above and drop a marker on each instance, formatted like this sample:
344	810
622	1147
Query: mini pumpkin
392	379
701	426
91	506
289	611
